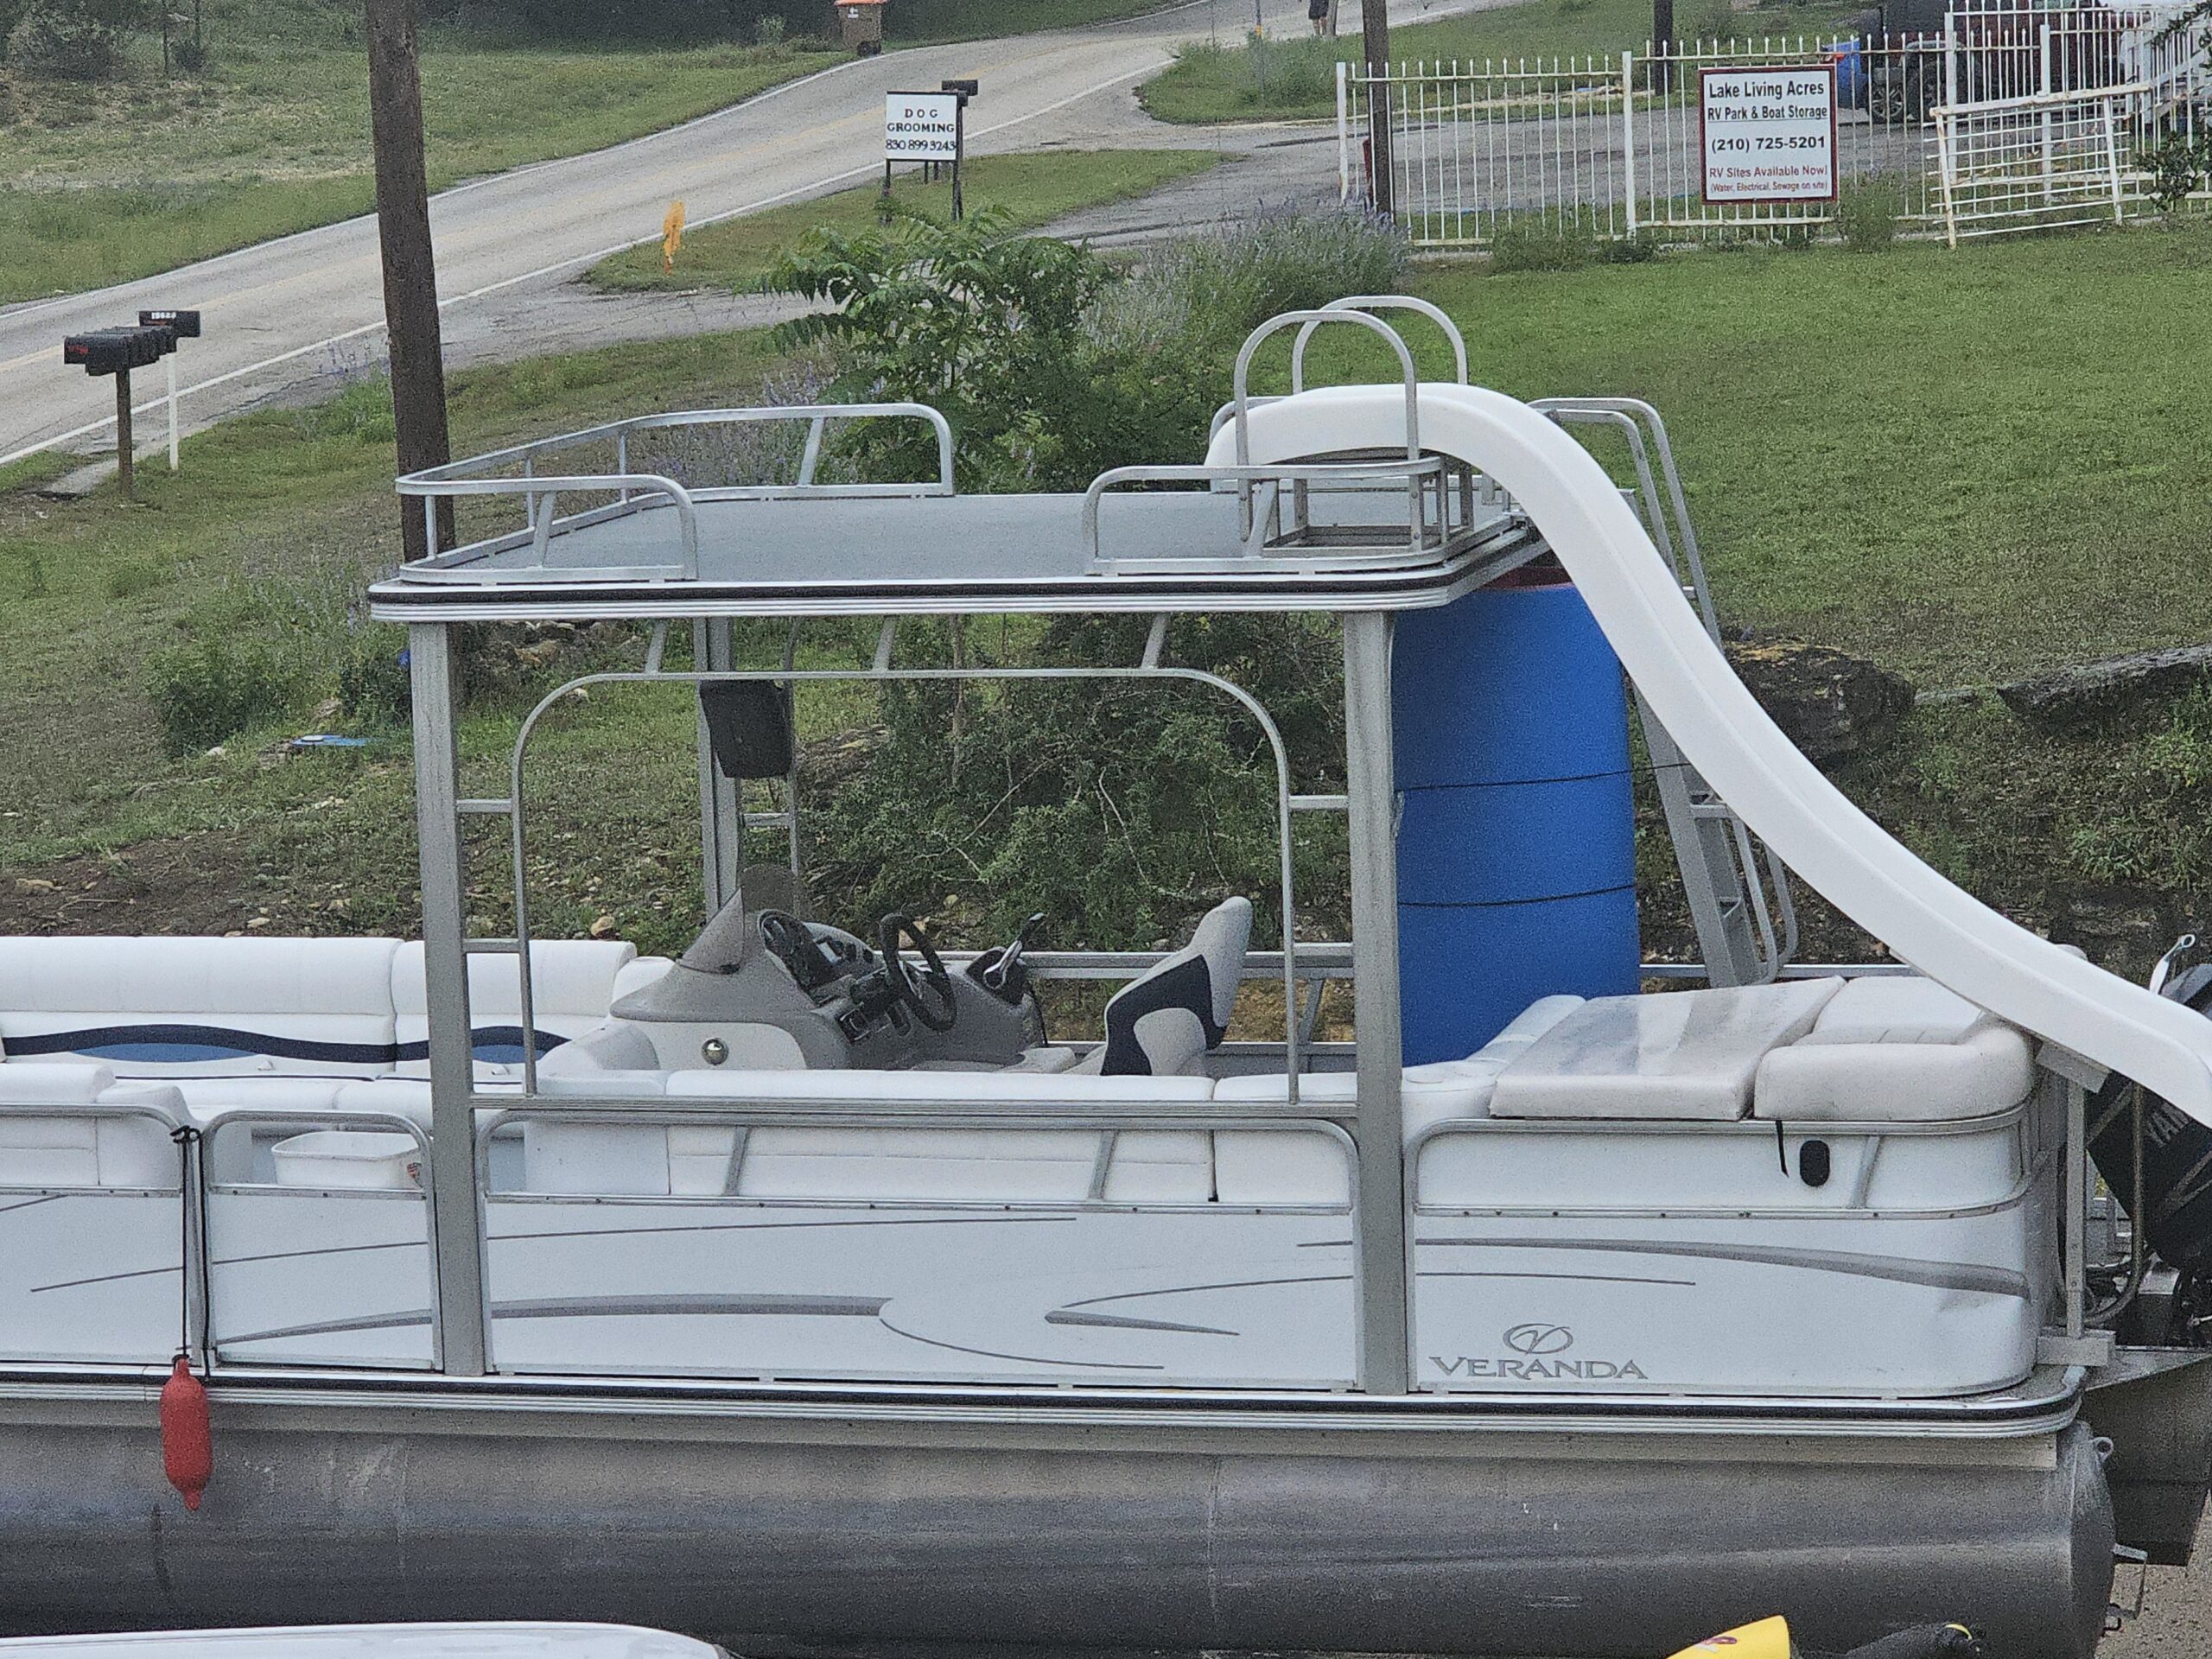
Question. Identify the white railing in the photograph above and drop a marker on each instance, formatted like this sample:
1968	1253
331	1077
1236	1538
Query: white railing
2011	118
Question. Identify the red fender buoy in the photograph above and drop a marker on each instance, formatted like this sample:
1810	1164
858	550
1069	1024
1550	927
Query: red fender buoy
187	1443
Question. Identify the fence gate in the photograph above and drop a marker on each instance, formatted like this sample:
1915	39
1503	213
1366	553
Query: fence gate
2009	118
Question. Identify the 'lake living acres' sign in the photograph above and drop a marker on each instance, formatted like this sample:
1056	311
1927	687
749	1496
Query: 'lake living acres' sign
1768	134
921	126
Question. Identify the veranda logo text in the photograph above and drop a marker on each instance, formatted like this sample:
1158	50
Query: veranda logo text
1538	1355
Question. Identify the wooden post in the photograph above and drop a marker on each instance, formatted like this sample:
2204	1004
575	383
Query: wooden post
410	283
123	439
1375	48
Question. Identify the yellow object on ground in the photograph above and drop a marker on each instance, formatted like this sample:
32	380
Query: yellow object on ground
1767	1639
671	235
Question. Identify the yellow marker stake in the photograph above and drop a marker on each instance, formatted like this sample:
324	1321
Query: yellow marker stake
671	235
1767	1639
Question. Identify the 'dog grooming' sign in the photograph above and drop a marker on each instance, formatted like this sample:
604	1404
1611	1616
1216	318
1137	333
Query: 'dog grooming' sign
921	126
1768	134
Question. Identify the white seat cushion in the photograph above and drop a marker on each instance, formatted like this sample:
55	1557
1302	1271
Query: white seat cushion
1896	1050
129	1145
201	1007
1896	1008
572	984
1269	1166
1683	1056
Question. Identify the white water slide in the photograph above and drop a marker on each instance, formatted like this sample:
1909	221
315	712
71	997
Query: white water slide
1943	931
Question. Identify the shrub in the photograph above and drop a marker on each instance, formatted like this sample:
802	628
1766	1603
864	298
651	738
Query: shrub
1629	249
11	13
372	677
2177	165
1866	217
1540	247
204	691
768	31
79	40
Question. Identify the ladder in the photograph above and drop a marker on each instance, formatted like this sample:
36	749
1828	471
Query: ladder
1740	901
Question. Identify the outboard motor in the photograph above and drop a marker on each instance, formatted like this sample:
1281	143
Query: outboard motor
2176	1159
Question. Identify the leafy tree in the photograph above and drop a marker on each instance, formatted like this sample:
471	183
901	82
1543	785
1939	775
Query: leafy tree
11	13
80	40
984	325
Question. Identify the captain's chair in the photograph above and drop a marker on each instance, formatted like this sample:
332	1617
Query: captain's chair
1162	1024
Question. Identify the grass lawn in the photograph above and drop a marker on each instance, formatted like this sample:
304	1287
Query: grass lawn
109	182
1035	189
1965	466
1295	78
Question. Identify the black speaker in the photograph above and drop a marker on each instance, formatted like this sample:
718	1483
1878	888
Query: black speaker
749	725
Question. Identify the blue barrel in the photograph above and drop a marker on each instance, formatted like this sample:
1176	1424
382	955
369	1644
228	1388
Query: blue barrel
1516	851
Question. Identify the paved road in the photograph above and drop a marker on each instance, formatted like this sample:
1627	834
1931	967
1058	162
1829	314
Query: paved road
314	300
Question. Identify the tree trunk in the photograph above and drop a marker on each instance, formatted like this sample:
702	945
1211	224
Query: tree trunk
1375	44
411	285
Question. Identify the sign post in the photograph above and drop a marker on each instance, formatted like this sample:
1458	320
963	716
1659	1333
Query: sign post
182	325
117	352
1768	134
925	127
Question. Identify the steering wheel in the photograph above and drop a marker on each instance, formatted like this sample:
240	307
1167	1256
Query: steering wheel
928	993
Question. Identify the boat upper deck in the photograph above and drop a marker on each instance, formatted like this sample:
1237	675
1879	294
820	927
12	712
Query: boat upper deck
1373	531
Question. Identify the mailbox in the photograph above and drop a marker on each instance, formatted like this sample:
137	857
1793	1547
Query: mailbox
185	325
117	351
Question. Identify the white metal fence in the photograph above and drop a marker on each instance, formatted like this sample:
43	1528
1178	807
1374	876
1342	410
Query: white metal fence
2010	118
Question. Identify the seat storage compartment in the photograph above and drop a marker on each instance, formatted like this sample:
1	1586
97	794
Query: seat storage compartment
1736	1258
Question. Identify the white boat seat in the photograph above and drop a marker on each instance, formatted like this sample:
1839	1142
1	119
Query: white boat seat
1896	1049
1682	1056
572	984
1267	1167
86	1149
1163	1023
865	1163
201	1007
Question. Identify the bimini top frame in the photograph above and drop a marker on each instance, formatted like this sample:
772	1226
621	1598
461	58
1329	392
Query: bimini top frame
1360	535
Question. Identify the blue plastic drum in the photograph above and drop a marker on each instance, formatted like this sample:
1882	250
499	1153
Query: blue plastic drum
1516	852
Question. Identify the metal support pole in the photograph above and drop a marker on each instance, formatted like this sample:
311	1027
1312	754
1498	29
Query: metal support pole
1374	51
1627	133
721	823
1377	1130
1343	130
170	360
2077	1206
123	440
445	970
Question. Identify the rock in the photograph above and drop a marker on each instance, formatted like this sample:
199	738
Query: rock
2123	928
601	925
2089	692
1830	704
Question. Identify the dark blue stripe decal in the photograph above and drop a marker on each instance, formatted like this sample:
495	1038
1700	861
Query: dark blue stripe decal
192	1045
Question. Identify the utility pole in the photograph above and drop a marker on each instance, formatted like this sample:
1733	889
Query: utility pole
410	283
1375	47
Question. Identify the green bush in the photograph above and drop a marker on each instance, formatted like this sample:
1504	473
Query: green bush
373	680
79	40
1866	217
1540	247
204	691
11	13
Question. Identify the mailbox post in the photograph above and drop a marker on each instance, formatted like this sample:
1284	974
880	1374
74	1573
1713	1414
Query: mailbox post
182	325
117	352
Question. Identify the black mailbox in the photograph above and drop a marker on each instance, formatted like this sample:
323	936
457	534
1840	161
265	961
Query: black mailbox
185	325
117	351
966	88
